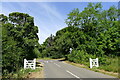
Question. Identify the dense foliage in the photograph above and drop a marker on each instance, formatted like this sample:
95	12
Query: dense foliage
19	40
94	32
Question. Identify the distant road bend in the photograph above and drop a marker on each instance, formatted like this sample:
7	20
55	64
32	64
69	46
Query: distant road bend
59	69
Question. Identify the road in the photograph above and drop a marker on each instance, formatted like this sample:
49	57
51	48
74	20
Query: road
60	69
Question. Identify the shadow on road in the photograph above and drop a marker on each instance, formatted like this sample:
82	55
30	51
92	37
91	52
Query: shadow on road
62	60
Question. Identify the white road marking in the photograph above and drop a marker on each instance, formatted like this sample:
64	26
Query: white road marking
57	65
72	74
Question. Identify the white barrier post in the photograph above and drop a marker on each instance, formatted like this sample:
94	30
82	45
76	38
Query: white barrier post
90	63
34	63
97	64
24	63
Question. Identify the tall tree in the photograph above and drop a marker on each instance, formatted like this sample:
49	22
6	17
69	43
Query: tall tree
19	40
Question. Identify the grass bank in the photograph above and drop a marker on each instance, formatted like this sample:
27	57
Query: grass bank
109	66
27	73
22	73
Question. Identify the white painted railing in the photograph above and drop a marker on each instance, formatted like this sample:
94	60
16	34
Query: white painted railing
94	62
29	64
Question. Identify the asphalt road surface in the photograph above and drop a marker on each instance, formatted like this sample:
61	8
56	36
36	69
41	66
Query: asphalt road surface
60	69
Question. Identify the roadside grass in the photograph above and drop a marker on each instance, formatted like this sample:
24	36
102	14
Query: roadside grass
22	73
113	66
45	58
25	73
111	69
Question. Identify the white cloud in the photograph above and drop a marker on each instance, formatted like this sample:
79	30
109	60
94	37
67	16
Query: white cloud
52	22
51	11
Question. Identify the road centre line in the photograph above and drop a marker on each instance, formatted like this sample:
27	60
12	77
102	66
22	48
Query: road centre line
57	65
72	74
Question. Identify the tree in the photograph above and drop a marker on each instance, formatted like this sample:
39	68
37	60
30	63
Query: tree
92	32
19	40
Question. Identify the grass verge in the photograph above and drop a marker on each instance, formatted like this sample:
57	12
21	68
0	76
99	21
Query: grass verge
22	73
93	69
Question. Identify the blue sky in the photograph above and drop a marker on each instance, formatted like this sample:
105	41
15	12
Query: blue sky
48	16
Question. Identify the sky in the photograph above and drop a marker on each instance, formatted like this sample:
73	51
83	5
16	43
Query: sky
48	16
